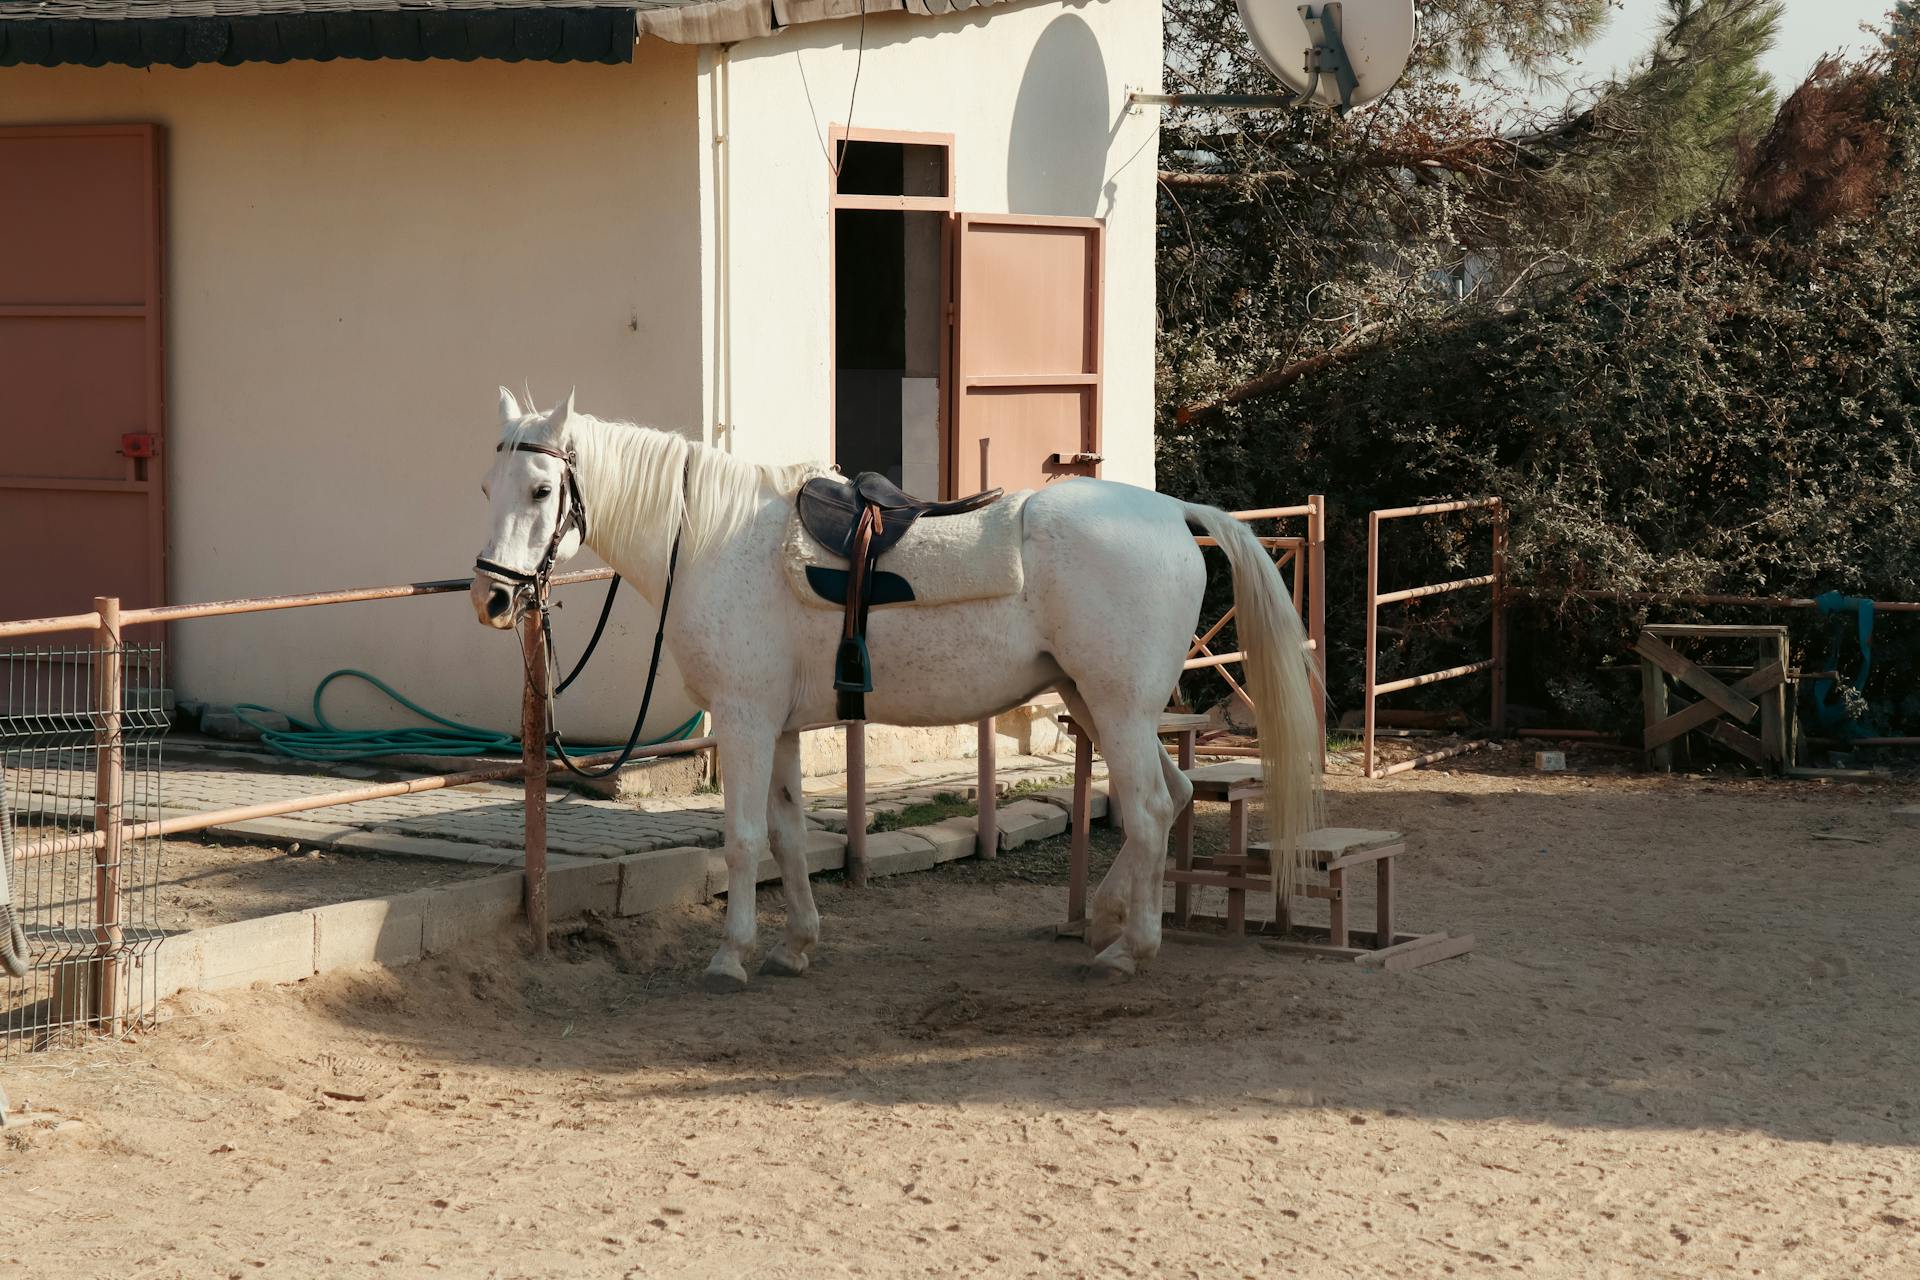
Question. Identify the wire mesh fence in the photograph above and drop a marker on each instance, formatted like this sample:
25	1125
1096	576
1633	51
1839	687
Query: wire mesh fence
81	730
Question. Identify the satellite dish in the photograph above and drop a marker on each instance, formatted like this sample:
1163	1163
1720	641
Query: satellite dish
1342	53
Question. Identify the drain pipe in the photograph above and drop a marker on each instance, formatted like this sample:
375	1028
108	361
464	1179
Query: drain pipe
720	105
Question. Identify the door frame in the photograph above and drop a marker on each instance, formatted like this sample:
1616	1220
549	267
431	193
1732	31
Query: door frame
836	135
153	311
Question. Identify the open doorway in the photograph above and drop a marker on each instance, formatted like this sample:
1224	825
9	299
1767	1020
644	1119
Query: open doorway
891	201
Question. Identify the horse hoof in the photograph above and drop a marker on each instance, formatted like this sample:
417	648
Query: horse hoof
1103	933
781	963
721	983
1112	963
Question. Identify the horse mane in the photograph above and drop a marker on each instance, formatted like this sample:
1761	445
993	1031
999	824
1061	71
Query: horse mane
635	473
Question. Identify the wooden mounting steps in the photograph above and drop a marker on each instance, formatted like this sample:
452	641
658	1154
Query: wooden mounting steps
1246	867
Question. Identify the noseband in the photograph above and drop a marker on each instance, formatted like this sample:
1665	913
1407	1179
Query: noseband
534	588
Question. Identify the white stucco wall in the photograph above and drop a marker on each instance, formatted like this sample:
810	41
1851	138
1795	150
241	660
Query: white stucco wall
358	253
1035	96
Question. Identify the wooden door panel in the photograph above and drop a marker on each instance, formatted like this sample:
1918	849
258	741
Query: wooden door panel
72	416
80	200
1025	351
81	318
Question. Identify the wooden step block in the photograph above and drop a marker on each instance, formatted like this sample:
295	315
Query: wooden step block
1342	846
1229	780
1184	722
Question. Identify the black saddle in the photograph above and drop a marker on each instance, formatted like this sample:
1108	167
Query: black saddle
860	520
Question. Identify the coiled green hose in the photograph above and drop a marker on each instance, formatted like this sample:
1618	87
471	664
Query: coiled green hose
320	739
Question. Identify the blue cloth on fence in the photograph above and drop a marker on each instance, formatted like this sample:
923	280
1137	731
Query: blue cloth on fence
1829	710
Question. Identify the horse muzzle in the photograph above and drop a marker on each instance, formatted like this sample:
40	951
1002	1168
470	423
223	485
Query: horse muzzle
497	604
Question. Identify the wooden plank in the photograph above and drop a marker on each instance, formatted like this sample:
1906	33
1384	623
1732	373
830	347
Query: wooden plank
1688	672
1683	629
1337	911
1739	739
1386	900
1364	856
1217	880
1754	683
1653	701
1406	942
1317	950
1773	704
1418	954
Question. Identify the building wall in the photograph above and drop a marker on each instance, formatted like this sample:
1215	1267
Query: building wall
358	253
1035	96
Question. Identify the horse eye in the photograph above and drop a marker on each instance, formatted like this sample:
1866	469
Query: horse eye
541	492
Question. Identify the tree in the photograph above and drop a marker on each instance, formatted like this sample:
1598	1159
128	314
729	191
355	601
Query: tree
1732	407
1294	238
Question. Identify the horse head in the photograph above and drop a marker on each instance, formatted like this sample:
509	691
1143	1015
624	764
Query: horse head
538	518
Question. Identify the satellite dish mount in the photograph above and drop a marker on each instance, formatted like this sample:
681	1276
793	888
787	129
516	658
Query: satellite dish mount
1339	53
1326	56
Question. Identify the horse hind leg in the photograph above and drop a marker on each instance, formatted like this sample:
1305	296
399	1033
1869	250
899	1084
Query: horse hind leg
1107	911
787	828
1138	778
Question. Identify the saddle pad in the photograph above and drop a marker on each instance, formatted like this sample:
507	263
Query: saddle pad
944	559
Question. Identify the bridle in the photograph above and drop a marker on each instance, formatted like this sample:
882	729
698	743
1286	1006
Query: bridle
534	589
573	513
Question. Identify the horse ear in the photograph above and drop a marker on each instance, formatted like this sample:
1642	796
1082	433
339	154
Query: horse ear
509	408
565	411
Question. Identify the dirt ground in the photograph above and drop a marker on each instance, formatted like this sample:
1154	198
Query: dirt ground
1688	1045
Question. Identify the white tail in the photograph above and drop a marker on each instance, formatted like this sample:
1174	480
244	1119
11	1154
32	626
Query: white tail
1281	678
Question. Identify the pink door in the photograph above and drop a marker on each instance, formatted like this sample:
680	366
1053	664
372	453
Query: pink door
81	394
1026	350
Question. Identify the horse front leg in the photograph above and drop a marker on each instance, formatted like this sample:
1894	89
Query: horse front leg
787	822
747	748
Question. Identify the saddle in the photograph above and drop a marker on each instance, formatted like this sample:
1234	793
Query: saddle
860	520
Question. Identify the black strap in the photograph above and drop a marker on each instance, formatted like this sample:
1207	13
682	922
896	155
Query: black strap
646	697
606	611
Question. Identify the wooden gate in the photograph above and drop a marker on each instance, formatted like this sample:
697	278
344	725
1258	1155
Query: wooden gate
1025	386
81	380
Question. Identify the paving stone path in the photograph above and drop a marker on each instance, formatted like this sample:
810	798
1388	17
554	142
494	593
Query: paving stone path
483	822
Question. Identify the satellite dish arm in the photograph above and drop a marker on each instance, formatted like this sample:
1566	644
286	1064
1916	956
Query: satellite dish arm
1327	55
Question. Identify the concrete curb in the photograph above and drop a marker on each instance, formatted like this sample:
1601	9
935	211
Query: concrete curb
403	928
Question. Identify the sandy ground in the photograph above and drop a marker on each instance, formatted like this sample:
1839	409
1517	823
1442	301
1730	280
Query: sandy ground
1688	1045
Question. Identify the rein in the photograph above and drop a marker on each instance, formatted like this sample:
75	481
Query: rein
535	588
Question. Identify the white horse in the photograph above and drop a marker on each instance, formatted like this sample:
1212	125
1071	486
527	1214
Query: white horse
1112	590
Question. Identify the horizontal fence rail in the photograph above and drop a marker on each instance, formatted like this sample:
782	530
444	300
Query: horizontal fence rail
1496	662
1305	556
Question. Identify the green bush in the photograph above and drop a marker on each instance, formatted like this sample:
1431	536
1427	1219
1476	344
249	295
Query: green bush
1735	409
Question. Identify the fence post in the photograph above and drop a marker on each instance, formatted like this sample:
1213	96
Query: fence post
109	782
1499	650
533	763
989	821
1317	607
1373	623
857	803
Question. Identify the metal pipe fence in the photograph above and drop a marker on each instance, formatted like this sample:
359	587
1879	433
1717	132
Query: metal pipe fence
81	729
80	734
1495	662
